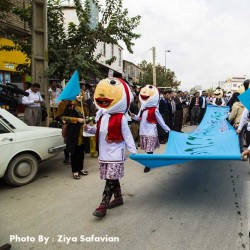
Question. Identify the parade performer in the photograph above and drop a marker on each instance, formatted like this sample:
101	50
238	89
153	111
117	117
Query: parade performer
149	116
218	97
112	96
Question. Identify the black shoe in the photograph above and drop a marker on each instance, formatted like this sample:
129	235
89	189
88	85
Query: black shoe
83	172
65	161
146	169
5	247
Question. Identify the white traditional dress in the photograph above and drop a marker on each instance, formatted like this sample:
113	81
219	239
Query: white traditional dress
149	116
113	136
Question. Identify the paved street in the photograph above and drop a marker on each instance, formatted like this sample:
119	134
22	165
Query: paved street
196	205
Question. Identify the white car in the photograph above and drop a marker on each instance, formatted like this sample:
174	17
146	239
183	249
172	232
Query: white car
23	146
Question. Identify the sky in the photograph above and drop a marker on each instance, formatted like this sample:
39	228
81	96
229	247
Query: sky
209	40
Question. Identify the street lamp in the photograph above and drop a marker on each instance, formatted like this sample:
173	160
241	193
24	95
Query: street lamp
165	58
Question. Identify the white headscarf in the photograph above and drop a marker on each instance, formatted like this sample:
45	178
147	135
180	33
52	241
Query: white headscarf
153	101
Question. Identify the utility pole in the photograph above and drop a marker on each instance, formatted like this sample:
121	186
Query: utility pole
39	57
154	70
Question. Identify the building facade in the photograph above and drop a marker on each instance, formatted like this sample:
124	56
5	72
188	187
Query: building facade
107	51
232	84
13	25
132	72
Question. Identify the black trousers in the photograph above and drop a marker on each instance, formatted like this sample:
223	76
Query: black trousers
111	187
161	133
202	113
248	138
178	120
77	159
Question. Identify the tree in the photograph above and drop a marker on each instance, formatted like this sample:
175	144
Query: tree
164	77
192	91
210	91
73	48
5	8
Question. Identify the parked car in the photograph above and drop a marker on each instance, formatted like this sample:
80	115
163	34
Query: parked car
22	147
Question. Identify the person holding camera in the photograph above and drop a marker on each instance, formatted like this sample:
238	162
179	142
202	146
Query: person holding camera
32	102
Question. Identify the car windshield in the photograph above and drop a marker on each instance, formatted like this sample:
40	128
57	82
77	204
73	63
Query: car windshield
6	122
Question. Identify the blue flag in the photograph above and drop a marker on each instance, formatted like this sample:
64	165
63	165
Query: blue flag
245	99
72	88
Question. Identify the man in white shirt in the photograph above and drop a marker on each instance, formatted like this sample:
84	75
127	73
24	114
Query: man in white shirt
33	112
244	120
54	93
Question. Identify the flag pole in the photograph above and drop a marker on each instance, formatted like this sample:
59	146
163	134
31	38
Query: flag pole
83	115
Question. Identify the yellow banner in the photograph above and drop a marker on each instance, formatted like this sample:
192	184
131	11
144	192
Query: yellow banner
10	59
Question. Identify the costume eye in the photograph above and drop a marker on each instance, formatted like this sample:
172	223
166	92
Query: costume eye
114	82
150	86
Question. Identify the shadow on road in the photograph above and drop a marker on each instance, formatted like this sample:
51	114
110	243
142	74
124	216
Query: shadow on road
199	183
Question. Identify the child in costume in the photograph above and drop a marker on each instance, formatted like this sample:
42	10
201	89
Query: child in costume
112	96
149	116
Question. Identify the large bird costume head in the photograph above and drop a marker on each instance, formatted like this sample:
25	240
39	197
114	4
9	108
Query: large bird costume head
113	95
149	96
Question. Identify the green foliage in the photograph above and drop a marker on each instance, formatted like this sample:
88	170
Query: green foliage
210	91
76	46
73	48
164	77
5	8
193	91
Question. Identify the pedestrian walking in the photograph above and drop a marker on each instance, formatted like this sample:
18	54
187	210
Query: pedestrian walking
74	118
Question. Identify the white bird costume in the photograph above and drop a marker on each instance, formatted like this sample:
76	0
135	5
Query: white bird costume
113	97
149	116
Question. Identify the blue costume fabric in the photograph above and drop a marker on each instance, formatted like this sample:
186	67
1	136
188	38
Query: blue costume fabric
213	139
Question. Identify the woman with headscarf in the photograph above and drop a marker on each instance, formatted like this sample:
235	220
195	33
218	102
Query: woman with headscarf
74	117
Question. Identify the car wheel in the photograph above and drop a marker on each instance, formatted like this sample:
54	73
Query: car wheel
21	170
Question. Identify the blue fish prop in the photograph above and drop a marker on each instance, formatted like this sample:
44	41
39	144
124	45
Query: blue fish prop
213	139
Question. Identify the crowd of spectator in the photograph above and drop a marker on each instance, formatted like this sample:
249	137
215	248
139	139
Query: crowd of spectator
178	109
